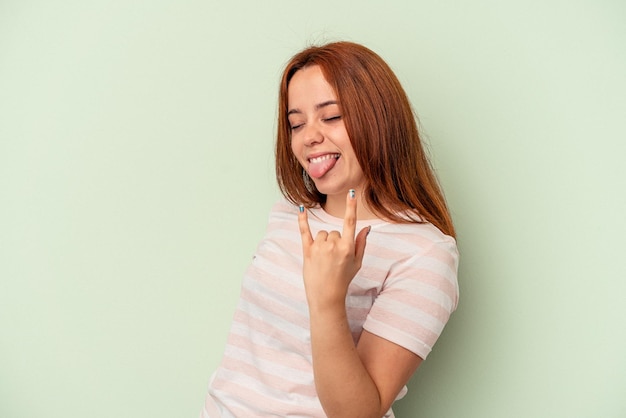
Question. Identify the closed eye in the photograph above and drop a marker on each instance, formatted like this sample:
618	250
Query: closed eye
296	127
332	118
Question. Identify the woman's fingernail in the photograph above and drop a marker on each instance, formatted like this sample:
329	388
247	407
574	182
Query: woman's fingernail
301	207
352	193
369	229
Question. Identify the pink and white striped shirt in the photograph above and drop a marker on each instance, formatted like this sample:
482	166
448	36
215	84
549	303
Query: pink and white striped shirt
405	292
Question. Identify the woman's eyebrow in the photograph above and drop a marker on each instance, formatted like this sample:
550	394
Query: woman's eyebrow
326	103
317	106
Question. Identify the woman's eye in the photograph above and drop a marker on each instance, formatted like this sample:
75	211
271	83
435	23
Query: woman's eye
332	118
296	127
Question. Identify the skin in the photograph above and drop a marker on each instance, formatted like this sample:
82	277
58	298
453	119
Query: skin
351	381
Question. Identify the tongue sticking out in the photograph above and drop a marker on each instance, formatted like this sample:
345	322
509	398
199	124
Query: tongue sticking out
322	165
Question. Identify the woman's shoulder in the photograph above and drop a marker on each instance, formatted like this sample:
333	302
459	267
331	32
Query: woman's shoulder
283	207
282	216
417	231
410	241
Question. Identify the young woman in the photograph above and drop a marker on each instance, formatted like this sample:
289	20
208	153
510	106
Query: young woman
357	273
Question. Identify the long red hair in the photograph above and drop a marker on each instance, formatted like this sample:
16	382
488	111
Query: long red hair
401	185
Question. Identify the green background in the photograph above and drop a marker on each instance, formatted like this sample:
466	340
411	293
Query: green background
136	175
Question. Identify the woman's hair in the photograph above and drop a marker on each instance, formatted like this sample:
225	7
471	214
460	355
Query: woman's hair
381	125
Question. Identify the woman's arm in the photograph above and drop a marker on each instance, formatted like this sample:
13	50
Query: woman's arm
360	381
351	381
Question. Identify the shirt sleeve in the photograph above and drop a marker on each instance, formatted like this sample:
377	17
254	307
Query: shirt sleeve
417	298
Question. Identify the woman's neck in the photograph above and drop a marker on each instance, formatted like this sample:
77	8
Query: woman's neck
336	206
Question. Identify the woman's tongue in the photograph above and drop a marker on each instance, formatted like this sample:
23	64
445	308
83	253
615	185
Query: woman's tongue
322	165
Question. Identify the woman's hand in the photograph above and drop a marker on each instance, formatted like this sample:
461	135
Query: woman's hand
332	259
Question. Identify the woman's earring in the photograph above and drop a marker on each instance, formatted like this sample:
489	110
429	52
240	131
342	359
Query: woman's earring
308	183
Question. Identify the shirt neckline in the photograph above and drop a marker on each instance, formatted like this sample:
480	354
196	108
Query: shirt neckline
324	216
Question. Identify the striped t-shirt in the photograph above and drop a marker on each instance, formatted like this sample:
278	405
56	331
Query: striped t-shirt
405	292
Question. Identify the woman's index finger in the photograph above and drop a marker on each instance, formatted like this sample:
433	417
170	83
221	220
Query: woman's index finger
349	219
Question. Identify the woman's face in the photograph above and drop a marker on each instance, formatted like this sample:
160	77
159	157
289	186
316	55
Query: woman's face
318	135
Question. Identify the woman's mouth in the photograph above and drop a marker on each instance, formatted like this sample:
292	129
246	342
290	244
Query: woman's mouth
322	164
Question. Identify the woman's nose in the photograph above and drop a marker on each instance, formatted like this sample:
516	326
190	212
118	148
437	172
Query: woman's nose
312	134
